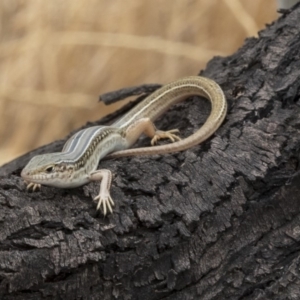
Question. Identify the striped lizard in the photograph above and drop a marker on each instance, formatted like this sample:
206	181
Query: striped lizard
77	163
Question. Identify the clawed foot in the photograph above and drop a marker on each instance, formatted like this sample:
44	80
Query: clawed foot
165	135
34	186
105	201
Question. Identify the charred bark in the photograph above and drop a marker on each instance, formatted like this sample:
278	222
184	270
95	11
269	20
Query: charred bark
219	221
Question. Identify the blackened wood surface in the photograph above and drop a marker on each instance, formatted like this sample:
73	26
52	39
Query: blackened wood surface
115	96
219	221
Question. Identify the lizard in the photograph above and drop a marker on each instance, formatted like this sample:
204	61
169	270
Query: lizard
78	161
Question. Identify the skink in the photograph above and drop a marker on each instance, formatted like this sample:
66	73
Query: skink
77	164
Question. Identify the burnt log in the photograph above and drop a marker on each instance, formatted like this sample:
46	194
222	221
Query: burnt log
218	221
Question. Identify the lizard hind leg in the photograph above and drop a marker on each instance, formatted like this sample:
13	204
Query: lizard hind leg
149	129
146	126
170	134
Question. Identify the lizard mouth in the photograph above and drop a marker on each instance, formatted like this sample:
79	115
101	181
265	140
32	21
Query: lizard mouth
25	175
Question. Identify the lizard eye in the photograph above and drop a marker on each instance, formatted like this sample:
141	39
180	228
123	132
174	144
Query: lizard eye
49	169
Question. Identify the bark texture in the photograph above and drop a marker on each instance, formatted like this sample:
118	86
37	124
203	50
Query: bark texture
219	221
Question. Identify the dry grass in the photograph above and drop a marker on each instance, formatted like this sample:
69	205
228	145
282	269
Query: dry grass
56	56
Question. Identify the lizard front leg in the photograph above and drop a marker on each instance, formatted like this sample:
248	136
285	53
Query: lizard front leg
104	199
33	186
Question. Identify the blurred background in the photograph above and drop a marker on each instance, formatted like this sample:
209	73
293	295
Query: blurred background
57	57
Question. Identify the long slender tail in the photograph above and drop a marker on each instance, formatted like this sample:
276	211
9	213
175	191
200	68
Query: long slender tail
199	86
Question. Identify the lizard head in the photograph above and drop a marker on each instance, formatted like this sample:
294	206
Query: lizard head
48	169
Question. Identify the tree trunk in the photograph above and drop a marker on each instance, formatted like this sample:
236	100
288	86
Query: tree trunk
218	221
